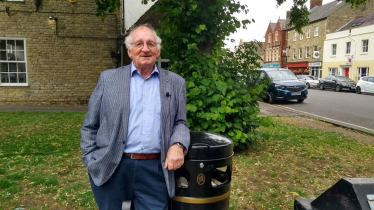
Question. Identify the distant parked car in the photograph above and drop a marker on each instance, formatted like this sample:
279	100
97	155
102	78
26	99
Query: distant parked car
309	80
365	84
285	85
338	83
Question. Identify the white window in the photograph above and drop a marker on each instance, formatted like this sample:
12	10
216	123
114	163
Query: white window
301	36
300	53
316	31
269	38
362	72
333	71
276	36
13	68
348	48
294	36
308	33
365	45
293	54
277	54
333	49
306	52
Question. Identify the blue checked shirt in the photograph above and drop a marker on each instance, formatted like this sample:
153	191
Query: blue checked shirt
144	129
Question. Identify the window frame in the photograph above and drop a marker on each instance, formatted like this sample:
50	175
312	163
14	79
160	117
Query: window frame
365	47
294	36
333	49
308	33
300	52
331	71
15	62
307	52
293	54
316	31
348	48
276	36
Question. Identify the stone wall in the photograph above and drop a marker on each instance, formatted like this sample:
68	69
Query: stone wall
65	55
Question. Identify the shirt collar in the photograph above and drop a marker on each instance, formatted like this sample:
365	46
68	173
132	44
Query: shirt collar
133	69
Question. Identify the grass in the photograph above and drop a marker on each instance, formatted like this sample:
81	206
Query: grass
41	168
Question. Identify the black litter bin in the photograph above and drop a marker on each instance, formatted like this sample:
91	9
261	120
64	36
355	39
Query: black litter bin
203	182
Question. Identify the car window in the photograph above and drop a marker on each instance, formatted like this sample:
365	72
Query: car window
345	79
328	78
311	77
333	78
371	79
281	75
364	78
262	74
299	76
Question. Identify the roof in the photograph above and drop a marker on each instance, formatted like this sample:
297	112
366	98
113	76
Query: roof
272	26
359	22
282	24
324	11
321	12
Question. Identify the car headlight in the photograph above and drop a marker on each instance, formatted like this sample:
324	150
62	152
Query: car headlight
279	87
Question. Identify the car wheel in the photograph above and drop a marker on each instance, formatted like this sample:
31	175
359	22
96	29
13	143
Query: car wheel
358	90
300	100
338	88
271	98
321	86
308	85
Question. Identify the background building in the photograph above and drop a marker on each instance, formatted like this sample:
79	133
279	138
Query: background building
349	52
305	51
275	44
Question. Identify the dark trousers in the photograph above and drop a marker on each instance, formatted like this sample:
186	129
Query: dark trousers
140	181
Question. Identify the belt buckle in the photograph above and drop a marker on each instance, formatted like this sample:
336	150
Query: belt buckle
131	156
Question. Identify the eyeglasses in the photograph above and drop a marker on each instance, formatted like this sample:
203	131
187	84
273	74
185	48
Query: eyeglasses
140	45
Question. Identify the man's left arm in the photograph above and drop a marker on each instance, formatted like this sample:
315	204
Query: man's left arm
180	134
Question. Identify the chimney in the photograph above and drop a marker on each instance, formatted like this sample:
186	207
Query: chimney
288	14
314	3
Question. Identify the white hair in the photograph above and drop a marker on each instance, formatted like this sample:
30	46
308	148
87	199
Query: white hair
128	39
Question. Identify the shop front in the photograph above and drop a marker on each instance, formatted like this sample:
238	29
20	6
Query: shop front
298	68
316	69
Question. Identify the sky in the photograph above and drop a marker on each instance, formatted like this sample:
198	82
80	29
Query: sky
263	12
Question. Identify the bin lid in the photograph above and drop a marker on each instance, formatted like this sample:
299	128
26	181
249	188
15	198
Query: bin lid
207	146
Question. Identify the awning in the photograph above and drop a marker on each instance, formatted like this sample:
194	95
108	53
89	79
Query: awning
297	65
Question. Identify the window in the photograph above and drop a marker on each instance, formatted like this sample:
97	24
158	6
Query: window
306	52
293	54
365	45
294	36
277	54
348	48
13	71
308	33
333	49
301	36
300	53
362	72
276	36
316	31
269	38
333	71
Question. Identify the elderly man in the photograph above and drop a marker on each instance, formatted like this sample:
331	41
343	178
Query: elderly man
135	132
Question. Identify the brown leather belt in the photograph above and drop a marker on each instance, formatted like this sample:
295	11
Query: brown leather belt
142	156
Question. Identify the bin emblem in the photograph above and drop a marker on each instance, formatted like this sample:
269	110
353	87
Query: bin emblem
200	179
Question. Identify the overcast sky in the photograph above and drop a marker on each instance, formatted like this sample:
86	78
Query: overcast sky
263	12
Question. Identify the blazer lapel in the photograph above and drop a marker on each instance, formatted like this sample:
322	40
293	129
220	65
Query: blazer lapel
165	93
124	89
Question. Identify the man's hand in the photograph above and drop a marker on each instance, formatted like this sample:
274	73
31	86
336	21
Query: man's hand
174	158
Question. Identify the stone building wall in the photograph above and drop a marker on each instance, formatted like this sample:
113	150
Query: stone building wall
65	54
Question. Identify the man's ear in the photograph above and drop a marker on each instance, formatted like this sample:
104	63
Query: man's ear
129	53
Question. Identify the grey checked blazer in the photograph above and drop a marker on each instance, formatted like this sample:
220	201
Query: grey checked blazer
104	130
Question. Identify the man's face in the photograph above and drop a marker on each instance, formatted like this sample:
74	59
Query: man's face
144	50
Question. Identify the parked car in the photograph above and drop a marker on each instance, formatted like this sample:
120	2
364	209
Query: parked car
365	84
309	80
338	83
285	85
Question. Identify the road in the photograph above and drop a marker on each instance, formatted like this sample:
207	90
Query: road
343	108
